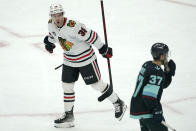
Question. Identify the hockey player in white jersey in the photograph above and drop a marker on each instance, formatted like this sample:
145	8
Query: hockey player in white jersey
79	57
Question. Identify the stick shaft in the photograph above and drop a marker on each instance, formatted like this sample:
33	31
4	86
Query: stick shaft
165	124
106	42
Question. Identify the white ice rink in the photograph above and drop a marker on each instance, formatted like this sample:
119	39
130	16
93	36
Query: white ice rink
30	89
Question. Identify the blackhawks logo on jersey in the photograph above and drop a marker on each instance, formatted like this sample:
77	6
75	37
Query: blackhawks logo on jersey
71	23
66	45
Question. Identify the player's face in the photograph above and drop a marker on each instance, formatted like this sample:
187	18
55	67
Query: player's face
58	19
164	58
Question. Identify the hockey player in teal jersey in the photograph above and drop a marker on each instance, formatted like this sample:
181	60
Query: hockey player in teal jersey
152	79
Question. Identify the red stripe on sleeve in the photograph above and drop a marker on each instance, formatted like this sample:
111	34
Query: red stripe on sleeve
92	38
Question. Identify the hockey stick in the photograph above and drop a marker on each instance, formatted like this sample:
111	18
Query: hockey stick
106	42
165	124
58	66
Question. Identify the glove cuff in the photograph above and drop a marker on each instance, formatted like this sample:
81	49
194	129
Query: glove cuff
103	49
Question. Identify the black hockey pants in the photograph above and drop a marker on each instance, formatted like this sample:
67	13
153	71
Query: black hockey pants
150	125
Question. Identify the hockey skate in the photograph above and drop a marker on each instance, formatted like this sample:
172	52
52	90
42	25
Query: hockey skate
120	109
65	121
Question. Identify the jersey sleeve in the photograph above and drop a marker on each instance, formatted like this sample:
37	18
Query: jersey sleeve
153	89
51	38
87	35
168	79
50	35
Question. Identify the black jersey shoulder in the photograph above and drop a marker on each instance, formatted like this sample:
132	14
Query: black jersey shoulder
152	68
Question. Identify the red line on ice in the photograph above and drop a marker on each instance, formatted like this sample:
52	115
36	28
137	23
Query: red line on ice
40	46
181	3
3	44
17	34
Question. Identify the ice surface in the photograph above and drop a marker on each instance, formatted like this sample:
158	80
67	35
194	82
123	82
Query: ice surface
30	88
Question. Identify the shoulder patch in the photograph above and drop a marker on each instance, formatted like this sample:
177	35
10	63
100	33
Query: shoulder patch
71	23
157	68
49	21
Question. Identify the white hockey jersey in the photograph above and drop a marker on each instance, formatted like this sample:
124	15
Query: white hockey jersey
76	41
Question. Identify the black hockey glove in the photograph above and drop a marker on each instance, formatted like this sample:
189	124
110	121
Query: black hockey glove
172	67
48	45
157	116
106	51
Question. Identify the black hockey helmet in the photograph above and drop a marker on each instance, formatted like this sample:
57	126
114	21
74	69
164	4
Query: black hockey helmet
159	49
